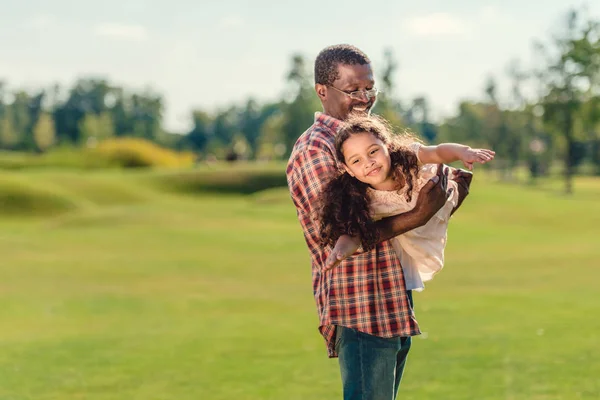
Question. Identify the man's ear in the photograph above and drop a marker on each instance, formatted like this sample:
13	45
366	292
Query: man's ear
321	91
348	170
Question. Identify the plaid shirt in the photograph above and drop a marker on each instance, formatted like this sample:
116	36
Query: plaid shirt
365	292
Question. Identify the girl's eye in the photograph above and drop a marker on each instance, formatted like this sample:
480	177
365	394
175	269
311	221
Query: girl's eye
354	162
374	151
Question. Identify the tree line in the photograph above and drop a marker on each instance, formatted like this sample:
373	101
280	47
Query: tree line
552	112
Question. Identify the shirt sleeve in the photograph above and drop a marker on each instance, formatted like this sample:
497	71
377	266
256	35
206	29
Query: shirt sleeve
416	146
315	168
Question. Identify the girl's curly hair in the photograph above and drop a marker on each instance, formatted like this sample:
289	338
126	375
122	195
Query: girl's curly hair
344	203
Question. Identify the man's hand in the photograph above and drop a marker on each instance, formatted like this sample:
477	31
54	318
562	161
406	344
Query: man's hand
345	246
470	156
463	180
433	195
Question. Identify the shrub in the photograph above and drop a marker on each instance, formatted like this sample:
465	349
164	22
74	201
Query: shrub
136	153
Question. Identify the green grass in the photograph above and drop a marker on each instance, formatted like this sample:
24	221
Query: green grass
134	291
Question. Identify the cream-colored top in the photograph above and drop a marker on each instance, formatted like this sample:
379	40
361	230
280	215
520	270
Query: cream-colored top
421	250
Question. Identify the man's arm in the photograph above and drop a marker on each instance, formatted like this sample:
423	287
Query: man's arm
431	198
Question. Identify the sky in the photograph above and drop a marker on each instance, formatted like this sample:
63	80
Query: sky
211	54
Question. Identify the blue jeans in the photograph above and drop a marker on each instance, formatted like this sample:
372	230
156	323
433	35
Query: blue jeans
371	366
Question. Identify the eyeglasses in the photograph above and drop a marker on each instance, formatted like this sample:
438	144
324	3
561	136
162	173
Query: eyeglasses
359	94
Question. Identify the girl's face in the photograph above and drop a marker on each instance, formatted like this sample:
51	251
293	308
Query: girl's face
368	160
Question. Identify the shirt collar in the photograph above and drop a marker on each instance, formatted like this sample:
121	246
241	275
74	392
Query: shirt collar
332	123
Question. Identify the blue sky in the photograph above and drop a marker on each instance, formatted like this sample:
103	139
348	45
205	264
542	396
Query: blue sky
209	54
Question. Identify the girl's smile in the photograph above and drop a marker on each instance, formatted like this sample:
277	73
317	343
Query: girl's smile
367	159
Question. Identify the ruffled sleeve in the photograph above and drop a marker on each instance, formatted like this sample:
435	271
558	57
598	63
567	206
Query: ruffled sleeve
415	147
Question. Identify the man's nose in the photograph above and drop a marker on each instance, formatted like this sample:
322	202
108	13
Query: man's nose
363	98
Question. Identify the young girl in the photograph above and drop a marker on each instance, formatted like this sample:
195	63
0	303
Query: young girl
382	176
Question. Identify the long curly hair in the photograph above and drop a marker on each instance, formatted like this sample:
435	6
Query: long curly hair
344	201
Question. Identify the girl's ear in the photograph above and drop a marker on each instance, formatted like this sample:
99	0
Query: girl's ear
348	170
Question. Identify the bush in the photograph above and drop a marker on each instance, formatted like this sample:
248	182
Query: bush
136	153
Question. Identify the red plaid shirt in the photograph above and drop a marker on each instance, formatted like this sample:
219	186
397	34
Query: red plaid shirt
367	291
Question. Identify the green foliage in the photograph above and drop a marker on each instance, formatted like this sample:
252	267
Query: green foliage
271	141
136	153
9	138
387	106
44	134
300	103
571	84
94	128
198	138
564	114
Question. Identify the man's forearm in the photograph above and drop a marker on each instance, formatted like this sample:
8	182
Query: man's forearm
431	198
396	225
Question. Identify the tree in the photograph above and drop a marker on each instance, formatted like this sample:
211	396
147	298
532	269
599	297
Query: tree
387	106
495	128
271	141
299	110
198	137
9	138
250	121
147	115
571	79
95	128
417	118
44	134
225	126
467	126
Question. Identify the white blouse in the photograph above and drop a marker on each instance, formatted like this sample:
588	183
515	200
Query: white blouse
421	250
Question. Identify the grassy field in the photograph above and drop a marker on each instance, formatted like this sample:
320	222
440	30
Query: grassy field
129	286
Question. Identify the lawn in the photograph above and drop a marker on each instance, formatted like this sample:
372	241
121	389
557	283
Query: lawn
117	285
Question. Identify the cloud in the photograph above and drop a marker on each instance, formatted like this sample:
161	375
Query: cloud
121	31
231	21
437	24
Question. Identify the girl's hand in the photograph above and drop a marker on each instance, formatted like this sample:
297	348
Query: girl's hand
470	156
345	246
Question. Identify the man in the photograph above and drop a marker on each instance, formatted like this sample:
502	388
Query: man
365	311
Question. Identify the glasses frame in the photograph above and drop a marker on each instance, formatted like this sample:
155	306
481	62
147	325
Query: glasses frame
359	94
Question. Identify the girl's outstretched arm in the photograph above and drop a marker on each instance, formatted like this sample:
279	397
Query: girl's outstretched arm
449	152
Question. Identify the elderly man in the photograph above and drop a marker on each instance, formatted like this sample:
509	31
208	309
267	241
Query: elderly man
365	312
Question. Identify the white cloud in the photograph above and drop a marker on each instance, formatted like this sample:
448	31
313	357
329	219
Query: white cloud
231	21
436	24
121	31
